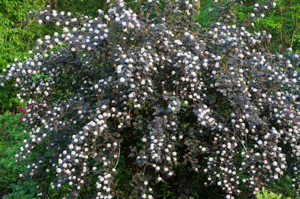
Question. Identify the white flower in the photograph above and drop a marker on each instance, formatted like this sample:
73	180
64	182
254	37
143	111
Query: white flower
122	79
47	37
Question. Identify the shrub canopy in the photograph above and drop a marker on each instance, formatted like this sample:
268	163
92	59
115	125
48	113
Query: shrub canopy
214	99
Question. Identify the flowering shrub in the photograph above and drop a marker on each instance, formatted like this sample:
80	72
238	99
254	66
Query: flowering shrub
214	99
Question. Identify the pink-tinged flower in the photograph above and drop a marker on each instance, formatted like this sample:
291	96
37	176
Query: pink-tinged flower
12	114
20	107
24	111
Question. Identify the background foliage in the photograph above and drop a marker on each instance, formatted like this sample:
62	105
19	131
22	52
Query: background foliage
12	135
17	36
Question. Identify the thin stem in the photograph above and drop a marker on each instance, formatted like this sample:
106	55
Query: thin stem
294	32
118	157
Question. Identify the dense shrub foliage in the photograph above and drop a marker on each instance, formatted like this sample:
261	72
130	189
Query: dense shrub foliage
282	21
266	195
213	99
17	36
11	137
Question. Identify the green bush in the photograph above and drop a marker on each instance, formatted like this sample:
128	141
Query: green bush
17	33
282	21
17	36
265	194
285	187
12	134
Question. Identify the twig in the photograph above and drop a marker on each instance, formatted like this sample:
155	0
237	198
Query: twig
118	157
294	32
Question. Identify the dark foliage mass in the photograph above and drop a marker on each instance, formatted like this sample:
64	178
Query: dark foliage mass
213	99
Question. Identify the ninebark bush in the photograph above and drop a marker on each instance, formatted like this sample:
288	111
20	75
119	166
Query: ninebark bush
213	99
